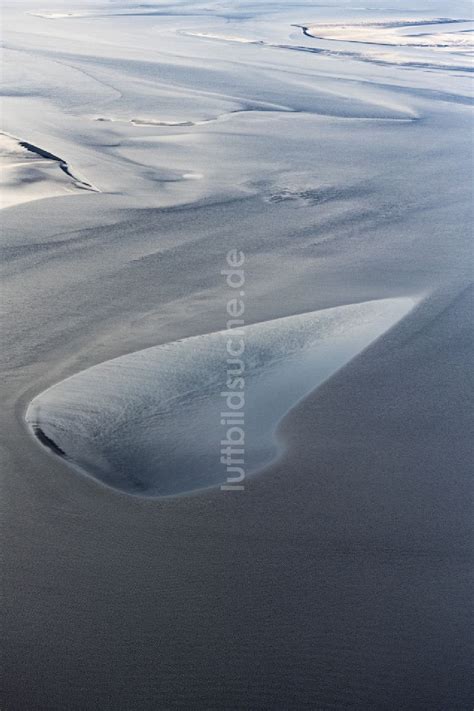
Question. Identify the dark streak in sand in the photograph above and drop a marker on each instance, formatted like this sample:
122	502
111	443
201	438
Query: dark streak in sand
47	441
62	164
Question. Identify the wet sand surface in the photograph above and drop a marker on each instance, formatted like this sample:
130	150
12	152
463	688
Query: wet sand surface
339	578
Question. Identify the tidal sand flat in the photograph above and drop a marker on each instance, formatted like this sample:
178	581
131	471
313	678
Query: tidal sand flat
123	421
331	144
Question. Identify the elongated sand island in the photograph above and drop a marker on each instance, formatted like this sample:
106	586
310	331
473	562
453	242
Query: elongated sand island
153	422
